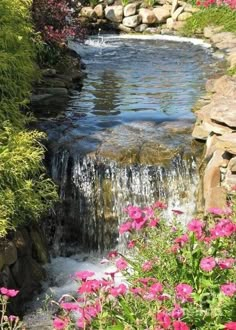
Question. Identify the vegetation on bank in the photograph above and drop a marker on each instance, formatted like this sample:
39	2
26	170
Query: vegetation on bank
211	15
25	193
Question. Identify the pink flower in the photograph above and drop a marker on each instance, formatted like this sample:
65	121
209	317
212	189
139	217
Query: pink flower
147	265
83	275
153	222
229	289
125	227
230	326
156	288
183	291
112	254
9	292
119	290
181	240
59	324
177	312
81	323
179	325
139	223
160	205
223	228
131	244
218	211
89	286
207	264
69	306
196	226
226	263
134	212
164	319
121	264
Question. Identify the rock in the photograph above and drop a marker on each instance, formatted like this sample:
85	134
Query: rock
49	73
161	14
188	8
130	9
141	28
39	246
184	16
222	36
216	197
209	31
114	13
53	91
225	85
99	10
178	25
39	97
232	164
212	173
10	254
148	16
230	180
124	28
167	7
232	60
199	132
170	23
22	242
226	44
88	12
132	21
174	6
28	274
223	110
2	260
227	142
153	30
177	12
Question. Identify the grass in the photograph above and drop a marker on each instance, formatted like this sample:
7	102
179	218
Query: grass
211	16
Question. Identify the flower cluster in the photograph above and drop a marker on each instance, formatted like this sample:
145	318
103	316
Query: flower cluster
176	277
207	3
10	322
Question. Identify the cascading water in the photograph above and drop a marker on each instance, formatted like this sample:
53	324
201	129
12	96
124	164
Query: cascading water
125	138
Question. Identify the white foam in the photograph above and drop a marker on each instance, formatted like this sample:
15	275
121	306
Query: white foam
194	41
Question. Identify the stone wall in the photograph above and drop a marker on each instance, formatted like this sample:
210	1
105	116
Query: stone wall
21	258
166	16
216	125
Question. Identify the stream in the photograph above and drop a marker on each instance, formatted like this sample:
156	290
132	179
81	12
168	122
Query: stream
124	139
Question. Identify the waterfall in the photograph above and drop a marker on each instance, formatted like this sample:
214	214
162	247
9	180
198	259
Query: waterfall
95	192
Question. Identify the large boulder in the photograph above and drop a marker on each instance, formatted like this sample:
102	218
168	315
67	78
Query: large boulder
99	10
114	13
177	12
130	9
132	21
161	14
88	12
148	16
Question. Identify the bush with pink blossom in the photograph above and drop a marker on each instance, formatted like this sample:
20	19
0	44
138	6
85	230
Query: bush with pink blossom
175	277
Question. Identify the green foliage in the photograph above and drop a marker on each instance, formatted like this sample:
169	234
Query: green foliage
24	192
215	16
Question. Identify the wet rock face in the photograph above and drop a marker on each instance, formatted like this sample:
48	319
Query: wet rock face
146	143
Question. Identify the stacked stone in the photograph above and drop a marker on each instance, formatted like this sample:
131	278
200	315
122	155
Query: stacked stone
216	124
167	15
21	260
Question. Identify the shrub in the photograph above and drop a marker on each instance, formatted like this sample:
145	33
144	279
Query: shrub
175	277
24	192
